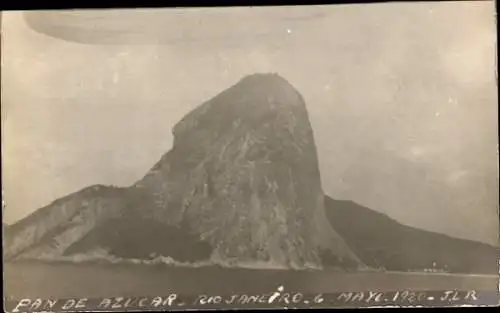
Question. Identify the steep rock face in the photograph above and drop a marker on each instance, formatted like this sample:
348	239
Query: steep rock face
243	173
240	186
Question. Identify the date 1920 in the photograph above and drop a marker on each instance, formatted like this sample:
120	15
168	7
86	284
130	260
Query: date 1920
406	296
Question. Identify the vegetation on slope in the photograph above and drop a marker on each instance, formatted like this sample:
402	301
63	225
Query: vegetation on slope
383	243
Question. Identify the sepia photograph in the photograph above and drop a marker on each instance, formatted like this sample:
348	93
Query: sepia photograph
250	157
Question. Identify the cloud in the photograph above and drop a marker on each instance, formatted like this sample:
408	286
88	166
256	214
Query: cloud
471	60
456	176
169	26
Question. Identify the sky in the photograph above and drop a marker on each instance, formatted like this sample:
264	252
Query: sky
401	97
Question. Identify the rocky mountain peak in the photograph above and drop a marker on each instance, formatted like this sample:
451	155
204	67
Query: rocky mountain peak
243	173
241	181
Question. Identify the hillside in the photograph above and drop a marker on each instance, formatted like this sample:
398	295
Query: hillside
381	242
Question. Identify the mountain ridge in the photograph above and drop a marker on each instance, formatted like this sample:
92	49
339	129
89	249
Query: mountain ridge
396	220
383	242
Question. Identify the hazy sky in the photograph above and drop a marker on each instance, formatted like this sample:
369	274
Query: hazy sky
401	96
